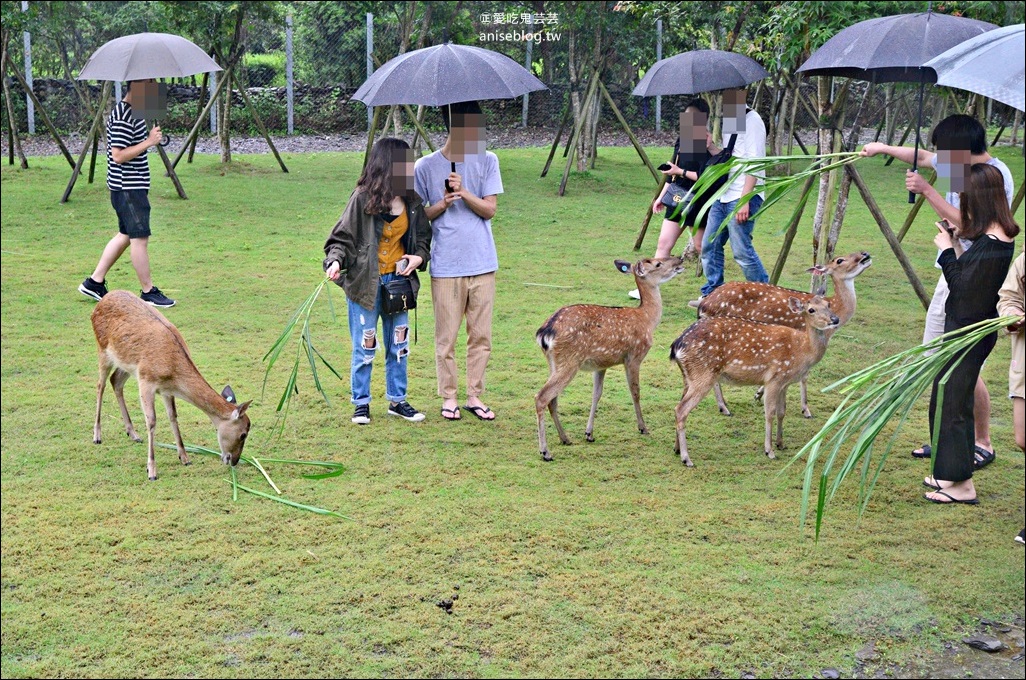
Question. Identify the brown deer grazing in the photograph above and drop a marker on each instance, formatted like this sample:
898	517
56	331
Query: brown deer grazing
595	338
135	339
770	304
749	353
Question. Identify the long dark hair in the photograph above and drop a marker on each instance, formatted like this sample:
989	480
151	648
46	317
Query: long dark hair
984	202
376	180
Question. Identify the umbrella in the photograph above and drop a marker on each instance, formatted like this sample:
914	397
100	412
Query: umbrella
445	74
991	64
893	49
699	71
147	55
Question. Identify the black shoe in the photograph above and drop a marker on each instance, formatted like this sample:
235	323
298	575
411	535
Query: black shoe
156	298
1021	538
361	416
404	410
92	289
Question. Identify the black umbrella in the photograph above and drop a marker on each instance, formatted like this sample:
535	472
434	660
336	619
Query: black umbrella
893	49
700	71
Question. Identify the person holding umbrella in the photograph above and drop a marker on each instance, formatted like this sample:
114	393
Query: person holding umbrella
128	179
460	183
960	141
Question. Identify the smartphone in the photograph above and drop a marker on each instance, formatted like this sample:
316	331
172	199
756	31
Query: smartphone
401	265
664	167
946	226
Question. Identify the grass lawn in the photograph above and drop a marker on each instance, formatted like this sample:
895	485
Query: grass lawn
614	560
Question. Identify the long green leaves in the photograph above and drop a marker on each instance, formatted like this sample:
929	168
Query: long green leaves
874	398
332	470
299	319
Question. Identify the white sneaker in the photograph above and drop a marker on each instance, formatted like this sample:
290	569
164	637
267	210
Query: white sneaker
634	294
695	303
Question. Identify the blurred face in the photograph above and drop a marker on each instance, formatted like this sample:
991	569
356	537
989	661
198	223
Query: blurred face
734	111
952	169
467	135
402	172
148	99
693	130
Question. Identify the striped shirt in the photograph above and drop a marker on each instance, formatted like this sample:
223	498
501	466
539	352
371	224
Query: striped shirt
123	131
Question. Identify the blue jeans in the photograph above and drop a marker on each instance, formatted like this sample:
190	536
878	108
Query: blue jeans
740	237
363	329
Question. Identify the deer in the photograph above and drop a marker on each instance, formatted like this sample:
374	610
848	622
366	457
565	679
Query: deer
750	353
769	304
134	339
596	338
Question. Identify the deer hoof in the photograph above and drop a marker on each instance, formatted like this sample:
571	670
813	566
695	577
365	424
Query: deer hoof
588	437
806	413
770	454
546	456
643	430
726	412
136	438
153	478
97	441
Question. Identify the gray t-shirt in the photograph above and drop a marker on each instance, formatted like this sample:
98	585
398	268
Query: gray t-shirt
461	240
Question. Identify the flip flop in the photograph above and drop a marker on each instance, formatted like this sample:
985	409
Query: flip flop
983	458
934	485
923	452
454	411
952	499
479	412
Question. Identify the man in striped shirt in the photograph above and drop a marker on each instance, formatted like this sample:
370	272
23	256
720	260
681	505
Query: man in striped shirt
128	179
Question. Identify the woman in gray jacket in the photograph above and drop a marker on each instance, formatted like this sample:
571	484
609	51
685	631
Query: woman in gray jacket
383	234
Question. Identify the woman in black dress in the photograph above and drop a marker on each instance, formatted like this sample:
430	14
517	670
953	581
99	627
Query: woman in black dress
974	279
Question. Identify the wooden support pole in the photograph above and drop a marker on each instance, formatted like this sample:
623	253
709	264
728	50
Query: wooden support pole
649	215
656	175
901	142
555	142
93	131
798	139
585	105
92	157
420	128
259	121
915	209
892	240
42	113
221	84
12	123
1017	201
370	133
171	173
199	112
792	229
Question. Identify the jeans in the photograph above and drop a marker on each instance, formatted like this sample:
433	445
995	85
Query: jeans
363	329
740	237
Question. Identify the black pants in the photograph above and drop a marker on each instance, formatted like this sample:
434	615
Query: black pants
953	459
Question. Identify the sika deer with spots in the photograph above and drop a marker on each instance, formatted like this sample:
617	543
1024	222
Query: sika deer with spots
770	304
595	338
750	353
135	339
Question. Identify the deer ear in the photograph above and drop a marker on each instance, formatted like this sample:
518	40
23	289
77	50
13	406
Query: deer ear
237	413
622	265
795	305
818	269
228	395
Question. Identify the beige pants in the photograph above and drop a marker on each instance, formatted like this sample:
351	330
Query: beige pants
454	298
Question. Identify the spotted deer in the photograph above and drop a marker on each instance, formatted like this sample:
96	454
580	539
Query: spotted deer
596	338
770	304
136	340
750	353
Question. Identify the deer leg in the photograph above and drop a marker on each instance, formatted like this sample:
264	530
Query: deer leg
172	415
118	381
781	410
688	402
546	398
806	413
596	394
718	391
633	368
147	395
758	392
769	406
105	369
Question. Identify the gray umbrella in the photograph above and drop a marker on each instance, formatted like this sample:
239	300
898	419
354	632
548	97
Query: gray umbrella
892	49
991	64
445	74
699	71
147	55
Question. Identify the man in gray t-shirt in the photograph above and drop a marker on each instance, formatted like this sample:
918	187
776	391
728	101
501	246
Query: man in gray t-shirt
460	183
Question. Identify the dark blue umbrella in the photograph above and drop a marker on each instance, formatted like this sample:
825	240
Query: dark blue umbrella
446	74
699	71
893	49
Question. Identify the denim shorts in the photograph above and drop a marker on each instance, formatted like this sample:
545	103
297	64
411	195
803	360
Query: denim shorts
133	210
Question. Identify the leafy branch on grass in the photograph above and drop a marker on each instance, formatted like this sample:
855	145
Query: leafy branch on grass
331	470
889	389
301	319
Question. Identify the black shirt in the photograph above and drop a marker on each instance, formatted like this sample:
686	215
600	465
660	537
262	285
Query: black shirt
974	280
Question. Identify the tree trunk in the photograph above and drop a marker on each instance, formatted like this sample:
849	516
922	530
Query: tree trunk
1015	127
825	141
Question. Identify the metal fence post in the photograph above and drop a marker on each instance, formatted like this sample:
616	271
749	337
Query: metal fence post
213	109
30	107
527	65
370	63
289	86
659	56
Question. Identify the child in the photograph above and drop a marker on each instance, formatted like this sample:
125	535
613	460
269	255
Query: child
383	234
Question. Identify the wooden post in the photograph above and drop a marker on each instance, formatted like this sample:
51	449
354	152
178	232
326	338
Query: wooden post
42	112
12	124
199	111
420	128
93	131
627	128
915	210
258	120
371	133
648	215
1018	197
221	84
171	173
92	158
892	240
792	229
588	97
555	142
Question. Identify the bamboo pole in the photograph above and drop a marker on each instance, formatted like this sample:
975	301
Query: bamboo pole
258	120
656	175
